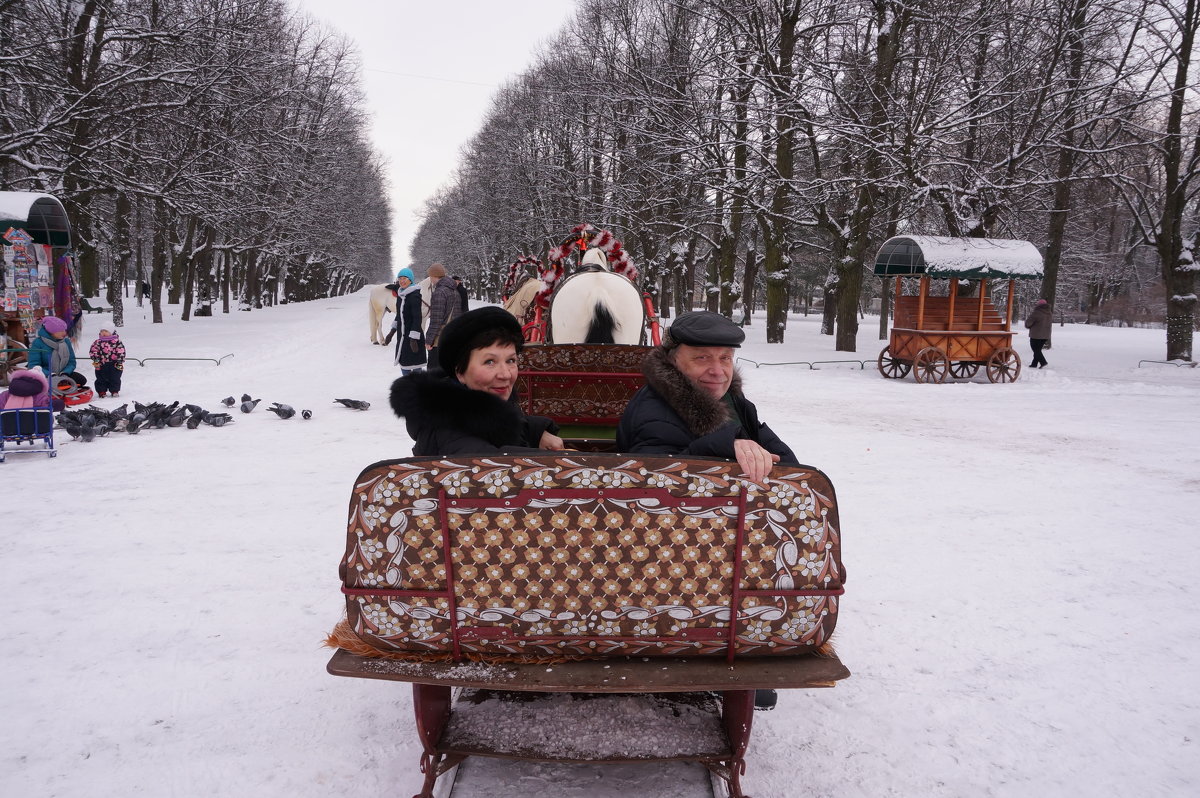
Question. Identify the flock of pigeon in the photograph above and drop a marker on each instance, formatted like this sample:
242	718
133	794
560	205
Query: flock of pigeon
92	422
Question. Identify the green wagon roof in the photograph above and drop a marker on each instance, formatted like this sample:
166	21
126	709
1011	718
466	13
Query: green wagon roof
964	258
40	215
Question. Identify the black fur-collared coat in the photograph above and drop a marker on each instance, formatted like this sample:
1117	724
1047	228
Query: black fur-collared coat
670	415
445	417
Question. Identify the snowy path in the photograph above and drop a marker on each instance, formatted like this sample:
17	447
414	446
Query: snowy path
1021	613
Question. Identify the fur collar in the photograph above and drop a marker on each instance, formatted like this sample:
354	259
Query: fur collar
427	400
700	411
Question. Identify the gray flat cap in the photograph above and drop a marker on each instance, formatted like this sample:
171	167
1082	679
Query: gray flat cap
703	328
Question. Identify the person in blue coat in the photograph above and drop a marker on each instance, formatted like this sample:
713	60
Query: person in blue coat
52	352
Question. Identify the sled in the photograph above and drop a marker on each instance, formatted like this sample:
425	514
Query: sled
957	334
27	425
71	393
556	586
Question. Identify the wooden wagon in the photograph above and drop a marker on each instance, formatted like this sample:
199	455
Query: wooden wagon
960	332
589	607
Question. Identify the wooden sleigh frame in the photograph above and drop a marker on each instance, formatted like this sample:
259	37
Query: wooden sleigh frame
514	578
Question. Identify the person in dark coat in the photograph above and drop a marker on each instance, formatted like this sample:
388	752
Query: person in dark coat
468	405
693	403
410	346
462	294
1038	324
444	305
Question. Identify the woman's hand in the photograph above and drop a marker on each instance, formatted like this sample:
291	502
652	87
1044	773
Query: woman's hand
755	461
551	441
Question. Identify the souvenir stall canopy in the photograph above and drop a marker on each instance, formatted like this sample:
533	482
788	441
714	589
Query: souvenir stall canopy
36	275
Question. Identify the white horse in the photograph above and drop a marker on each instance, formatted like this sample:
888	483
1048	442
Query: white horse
381	301
597	307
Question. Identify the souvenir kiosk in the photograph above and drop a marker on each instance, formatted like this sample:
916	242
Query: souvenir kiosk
36	275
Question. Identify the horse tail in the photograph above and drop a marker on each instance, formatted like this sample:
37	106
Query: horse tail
603	325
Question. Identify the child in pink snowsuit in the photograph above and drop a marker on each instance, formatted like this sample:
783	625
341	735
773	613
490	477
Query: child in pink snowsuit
28	389
108	358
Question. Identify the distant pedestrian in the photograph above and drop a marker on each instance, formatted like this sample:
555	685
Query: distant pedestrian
108	359
462	294
1038	324
444	305
410	346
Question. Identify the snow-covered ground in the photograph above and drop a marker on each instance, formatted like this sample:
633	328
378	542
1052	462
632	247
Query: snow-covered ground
1021	614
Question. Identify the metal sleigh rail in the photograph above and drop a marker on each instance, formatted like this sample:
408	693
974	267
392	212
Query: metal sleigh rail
812	365
144	360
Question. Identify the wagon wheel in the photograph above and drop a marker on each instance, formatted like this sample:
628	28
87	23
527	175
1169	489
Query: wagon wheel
963	369
892	368
1004	365
930	365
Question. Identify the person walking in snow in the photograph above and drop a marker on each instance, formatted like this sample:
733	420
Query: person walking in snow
108	359
462	293
444	305
410	346
52	352
1038	324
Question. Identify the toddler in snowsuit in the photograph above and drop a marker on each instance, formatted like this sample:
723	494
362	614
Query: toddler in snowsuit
108	358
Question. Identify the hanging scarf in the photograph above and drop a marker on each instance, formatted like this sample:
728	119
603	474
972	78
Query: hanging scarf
60	354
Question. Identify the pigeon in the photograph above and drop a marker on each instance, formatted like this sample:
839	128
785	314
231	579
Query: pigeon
245	397
248	405
354	404
218	419
121	412
135	423
194	421
193	409
307	414
229	401
283	411
177	418
72	426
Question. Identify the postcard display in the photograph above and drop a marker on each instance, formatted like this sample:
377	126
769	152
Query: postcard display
26	286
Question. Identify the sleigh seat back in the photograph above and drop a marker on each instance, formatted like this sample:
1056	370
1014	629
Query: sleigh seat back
578	556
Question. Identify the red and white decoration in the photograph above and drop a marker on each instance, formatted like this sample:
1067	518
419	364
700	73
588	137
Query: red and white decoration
582	238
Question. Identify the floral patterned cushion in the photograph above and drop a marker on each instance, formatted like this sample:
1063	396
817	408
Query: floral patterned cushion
590	555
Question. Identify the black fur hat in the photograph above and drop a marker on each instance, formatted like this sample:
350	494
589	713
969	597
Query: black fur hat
462	330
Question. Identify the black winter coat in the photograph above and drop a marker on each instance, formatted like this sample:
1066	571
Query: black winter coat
445	418
669	415
410	339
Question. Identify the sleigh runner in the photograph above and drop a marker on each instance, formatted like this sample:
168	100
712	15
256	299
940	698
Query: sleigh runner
655	575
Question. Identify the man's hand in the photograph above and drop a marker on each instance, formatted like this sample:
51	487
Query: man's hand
551	441
755	461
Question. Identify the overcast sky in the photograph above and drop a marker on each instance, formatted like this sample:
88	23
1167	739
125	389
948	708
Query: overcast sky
430	68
